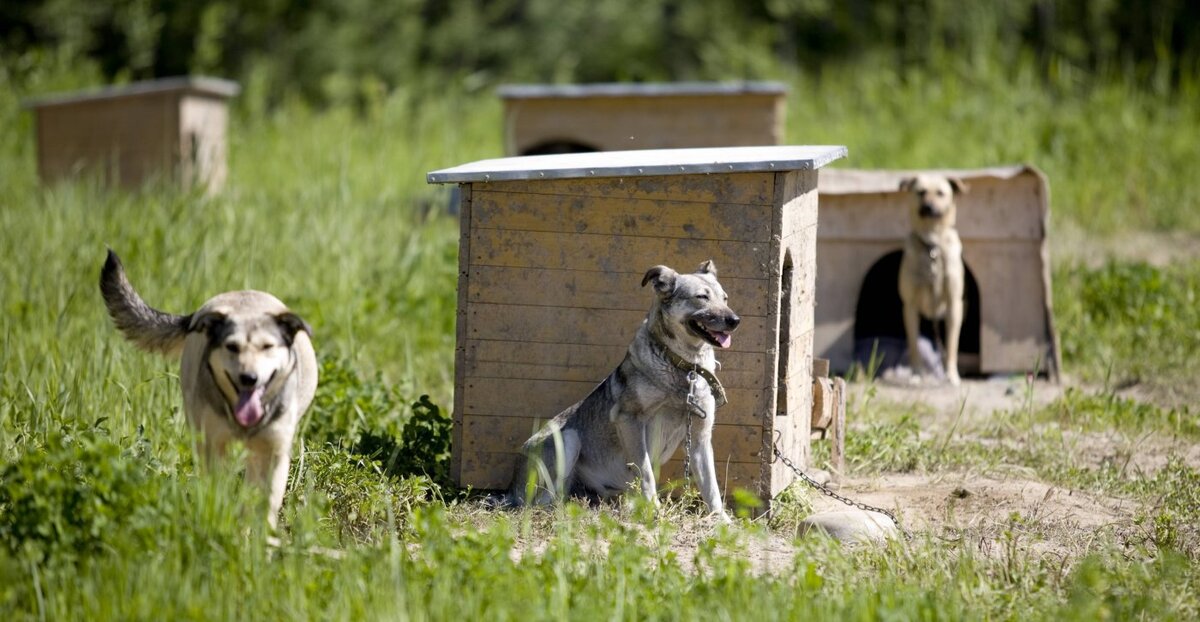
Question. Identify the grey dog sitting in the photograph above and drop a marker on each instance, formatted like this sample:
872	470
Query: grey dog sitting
634	420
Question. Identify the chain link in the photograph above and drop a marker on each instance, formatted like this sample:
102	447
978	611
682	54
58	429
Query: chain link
693	404
825	490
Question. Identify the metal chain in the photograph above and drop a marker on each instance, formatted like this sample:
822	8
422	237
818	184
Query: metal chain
693	406
825	490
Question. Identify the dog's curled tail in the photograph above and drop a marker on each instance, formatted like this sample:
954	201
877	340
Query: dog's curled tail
148	328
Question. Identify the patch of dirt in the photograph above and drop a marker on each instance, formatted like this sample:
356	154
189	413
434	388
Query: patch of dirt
991	507
976	399
1005	510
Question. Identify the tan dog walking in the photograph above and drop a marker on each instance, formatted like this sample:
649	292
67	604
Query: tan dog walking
247	370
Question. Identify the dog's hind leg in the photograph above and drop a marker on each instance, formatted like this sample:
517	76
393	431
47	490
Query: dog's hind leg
556	473
547	472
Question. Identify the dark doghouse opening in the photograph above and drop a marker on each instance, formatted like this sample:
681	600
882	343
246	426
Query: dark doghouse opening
785	333
879	321
554	147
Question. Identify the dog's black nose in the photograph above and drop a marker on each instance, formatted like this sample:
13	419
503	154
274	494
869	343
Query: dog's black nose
248	379
926	210
733	321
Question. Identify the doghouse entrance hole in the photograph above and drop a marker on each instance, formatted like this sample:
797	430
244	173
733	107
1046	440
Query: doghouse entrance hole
879	320
785	333
553	147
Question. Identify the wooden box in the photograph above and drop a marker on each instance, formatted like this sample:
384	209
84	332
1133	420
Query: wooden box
543	119
1008	322
172	129
552	254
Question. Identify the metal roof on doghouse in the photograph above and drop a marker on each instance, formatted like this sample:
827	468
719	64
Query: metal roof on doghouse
552	253
541	119
1002	220
173	128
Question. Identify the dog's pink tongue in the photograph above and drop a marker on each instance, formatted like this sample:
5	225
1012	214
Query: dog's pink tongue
723	339
249	409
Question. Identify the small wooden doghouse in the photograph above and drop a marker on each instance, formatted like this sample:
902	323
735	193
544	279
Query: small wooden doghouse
1008	324
552	254
544	119
172	129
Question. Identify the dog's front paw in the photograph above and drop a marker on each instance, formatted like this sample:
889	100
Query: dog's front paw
953	379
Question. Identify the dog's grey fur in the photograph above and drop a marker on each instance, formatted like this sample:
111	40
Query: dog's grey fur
931	271
247	369
636	418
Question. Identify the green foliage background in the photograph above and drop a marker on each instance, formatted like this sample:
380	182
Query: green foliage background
339	50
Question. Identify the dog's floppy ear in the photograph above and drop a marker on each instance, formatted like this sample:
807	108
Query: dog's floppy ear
291	324
707	267
208	322
663	278
908	183
959	186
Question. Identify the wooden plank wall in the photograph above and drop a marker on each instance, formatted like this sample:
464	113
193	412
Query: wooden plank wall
203	142
660	122
796	258
130	139
550	296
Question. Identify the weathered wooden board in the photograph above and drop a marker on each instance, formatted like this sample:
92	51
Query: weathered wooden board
610	327
129	141
611	216
642	116
1013	337
580	362
582	251
545	398
732	189
993	209
594	289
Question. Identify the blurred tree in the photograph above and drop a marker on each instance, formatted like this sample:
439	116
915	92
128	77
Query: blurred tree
345	50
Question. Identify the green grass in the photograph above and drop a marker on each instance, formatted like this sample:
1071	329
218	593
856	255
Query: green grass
104	514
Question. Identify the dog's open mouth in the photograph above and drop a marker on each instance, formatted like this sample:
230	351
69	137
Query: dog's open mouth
718	338
249	409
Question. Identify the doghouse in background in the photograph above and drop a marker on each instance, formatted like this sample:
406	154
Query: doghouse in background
546	119
1008	324
553	250
172	129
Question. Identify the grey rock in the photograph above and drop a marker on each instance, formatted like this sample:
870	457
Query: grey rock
852	526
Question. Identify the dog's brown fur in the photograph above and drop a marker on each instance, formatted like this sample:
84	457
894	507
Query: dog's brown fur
931	273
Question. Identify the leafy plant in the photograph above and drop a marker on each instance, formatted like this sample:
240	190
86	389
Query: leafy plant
75	495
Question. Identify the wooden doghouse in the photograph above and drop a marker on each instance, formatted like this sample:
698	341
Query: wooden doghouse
543	119
1008	322
172	129
552	254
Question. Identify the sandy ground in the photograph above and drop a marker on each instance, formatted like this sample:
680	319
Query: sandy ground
996	510
1004	507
